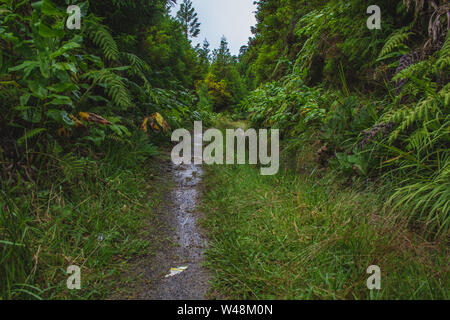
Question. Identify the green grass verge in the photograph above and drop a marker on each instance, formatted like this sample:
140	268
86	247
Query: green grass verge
78	211
296	237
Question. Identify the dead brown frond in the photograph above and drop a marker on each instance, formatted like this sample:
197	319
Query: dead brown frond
439	13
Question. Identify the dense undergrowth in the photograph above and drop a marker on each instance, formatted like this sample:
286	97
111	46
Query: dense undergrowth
300	236
364	119
371	104
78	211
81	113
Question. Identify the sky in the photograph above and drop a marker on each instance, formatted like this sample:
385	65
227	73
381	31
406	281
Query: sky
231	18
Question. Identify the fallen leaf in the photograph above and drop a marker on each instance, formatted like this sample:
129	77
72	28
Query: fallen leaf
92	117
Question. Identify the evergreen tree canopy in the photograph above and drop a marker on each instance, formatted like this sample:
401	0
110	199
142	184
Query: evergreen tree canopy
188	19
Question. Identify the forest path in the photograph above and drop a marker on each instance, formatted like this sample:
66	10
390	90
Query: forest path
176	240
181	215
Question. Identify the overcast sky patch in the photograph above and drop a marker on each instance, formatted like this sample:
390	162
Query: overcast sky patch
231	18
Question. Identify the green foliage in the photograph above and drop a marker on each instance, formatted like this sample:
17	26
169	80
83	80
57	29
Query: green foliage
113	84
395	41
102	38
335	93
291	106
420	141
72	102
443	62
171	56
225	86
217	93
76	205
294	236
188	19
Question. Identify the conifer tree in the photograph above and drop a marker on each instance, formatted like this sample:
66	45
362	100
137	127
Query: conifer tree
205	51
188	19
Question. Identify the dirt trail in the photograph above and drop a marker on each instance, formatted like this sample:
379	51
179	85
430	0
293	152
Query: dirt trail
178	242
189	242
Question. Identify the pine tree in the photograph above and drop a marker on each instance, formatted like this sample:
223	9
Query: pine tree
204	52
221	59
188	19
204	55
222	55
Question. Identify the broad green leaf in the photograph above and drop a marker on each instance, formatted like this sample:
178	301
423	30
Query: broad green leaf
44	64
24	98
39	90
62	86
26	66
60	100
60	116
65	66
48	32
49	8
67	47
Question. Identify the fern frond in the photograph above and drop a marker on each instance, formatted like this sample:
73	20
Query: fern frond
423	112
114	85
101	36
444	54
395	40
116	138
417	70
138	66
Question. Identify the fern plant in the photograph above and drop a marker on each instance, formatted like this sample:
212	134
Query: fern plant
420	144
396	42
113	84
443	61
102	37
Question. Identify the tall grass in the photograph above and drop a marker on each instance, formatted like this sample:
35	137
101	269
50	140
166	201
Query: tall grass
84	211
298	237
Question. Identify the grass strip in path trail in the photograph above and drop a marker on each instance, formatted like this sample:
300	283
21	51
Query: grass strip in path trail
295	237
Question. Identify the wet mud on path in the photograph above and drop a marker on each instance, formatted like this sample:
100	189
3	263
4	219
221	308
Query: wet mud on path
188	241
176	241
